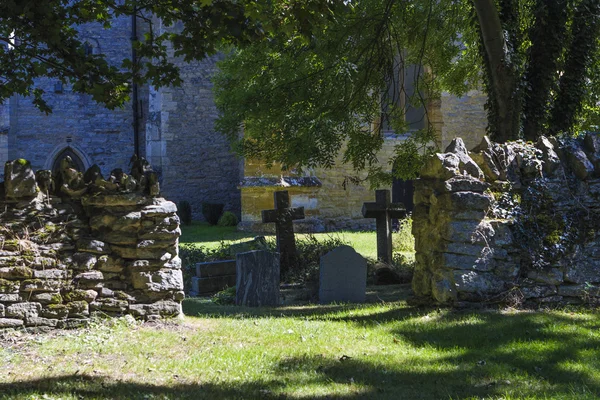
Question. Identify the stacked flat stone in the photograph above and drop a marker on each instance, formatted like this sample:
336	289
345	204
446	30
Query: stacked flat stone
466	252
63	259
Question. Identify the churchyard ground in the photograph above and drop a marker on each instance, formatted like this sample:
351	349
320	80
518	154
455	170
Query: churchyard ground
384	349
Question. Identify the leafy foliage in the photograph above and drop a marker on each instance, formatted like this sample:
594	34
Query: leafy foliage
42	39
228	219
300	101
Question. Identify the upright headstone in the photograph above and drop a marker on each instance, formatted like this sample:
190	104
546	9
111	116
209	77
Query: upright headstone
257	282
343	276
383	210
283	216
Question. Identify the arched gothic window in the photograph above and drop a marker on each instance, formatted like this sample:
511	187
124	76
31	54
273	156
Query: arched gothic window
77	162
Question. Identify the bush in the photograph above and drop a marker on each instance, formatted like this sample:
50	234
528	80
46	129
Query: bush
404	240
228	219
225	296
212	212
309	252
184	210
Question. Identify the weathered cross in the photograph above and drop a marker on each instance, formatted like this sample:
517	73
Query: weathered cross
383	211
283	216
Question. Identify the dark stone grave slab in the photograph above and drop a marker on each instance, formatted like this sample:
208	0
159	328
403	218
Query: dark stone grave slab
283	216
342	276
383	210
212	277
257	282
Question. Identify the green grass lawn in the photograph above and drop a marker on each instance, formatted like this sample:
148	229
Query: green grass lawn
202	234
381	350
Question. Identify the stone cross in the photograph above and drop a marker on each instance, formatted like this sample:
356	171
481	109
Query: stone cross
383	210
283	216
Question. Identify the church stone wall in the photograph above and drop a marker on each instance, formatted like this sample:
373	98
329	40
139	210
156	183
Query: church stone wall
197	163
463	117
102	136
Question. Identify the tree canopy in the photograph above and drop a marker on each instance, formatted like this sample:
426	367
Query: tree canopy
41	38
301	99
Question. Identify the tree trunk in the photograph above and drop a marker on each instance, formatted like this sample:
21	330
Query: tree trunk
504	123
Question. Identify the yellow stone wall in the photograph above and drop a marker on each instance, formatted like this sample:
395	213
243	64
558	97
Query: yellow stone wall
336	206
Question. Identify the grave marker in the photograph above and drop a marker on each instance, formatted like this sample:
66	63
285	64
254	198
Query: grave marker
283	216
342	276
383	210
257	282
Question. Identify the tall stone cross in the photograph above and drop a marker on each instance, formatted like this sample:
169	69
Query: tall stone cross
283	216
383	210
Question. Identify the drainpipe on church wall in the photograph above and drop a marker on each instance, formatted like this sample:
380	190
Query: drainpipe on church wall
134	87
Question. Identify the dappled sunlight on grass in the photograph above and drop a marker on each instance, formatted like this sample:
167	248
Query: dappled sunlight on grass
349	351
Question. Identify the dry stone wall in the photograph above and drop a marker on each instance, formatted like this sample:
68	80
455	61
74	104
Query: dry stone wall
516	223
63	258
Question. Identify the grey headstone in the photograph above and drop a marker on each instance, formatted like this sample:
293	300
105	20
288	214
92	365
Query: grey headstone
257	281
343	276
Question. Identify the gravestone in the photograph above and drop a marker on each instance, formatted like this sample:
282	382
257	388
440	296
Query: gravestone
257	282
283	216
212	277
383	210
342	276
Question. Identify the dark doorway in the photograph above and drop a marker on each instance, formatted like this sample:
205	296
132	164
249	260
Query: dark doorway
402	192
77	162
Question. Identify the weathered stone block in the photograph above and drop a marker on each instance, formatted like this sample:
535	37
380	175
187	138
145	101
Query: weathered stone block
157	281
466	163
46	298
19	179
16	273
115	200
41	285
7	286
579	163
477	282
462	201
78	309
50	274
465	183
23	310
581	271
55	311
552	277
538	291
83	261
110	264
150	253
11	323
468	231
92	246
443	288
467	262
40	321
161	207
80	295
109	305
1	310
441	166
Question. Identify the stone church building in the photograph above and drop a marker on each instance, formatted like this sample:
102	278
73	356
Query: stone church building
173	128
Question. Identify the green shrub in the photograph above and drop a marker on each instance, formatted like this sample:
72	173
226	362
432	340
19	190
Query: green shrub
309	252
228	219
184	210
212	212
225	296
403	240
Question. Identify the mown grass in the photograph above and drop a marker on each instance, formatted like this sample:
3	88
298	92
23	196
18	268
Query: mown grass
383	350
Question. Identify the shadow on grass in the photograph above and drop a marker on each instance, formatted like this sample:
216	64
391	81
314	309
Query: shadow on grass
474	353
